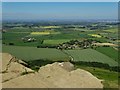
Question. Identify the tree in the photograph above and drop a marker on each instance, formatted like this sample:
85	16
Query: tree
11	43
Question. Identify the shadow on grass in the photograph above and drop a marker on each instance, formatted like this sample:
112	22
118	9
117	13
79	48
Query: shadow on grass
36	64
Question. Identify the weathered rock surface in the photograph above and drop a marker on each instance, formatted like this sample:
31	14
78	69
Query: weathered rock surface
11	68
56	75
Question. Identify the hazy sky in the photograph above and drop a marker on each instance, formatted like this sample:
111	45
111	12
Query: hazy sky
59	10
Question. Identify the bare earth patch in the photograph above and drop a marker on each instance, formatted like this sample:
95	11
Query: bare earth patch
102	44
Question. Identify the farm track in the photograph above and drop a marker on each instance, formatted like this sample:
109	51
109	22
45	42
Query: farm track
72	59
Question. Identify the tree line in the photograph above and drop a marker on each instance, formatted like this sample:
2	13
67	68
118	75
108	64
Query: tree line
97	64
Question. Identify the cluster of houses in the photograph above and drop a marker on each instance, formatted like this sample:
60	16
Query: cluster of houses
28	39
3	30
74	44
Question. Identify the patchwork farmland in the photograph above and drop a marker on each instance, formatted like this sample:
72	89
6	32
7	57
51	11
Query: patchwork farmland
60	45
94	50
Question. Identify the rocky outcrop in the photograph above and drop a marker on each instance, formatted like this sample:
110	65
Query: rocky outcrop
11	68
56	75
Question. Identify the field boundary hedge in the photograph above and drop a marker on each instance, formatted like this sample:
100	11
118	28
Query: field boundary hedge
97	64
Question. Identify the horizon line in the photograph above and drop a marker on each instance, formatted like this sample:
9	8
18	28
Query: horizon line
59	0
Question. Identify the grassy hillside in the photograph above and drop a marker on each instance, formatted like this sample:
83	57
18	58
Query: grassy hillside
90	55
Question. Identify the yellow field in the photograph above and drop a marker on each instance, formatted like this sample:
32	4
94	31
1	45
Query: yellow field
95	35
40	33
114	30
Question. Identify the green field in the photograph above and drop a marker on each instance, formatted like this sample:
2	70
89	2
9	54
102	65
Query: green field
56	41
112	30
109	51
20	29
33	53
14	37
56	36
90	55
